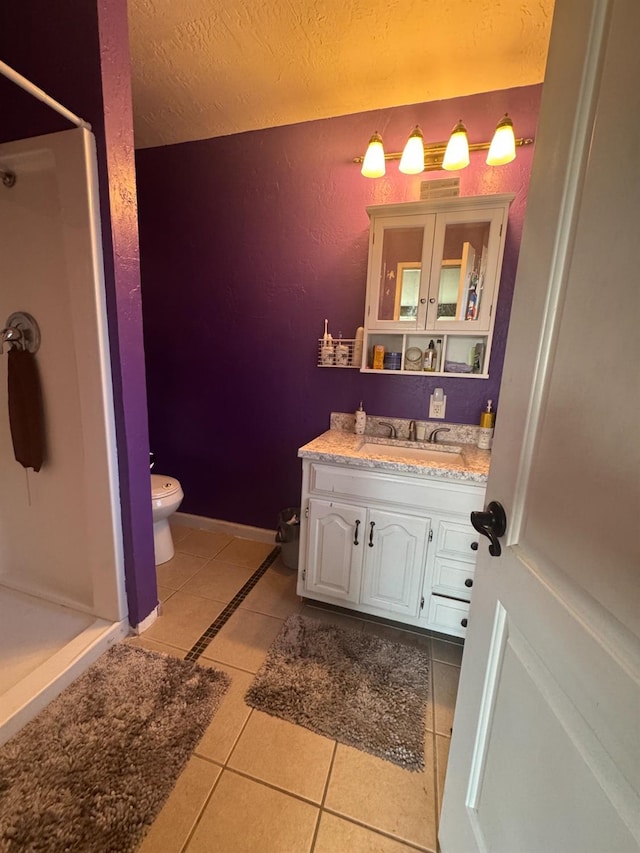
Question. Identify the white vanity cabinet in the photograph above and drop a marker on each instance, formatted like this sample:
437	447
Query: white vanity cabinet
433	274
390	544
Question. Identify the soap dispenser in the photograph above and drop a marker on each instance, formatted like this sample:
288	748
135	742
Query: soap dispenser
361	420
487	421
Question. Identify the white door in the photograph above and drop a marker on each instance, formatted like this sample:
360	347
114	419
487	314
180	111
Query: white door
545	754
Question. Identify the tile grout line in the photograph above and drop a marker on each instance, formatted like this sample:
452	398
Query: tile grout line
218	623
324	797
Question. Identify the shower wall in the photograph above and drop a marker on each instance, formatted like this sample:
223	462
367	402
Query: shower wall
60	535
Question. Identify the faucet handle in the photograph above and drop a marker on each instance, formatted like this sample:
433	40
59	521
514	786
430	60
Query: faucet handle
392	429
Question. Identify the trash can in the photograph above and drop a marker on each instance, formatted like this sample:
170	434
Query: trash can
288	536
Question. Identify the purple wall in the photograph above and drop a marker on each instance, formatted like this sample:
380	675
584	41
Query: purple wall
78	52
247	243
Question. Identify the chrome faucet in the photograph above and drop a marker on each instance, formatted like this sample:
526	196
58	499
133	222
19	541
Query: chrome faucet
433	435
392	429
412	430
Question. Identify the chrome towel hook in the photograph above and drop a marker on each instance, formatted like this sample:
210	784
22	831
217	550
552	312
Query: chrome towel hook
22	331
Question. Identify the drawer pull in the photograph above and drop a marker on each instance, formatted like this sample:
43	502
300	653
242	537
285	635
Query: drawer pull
474	546
373	524
468	582
355	538
463	622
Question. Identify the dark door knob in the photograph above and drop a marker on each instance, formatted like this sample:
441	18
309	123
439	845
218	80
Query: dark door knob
463	622
474	546
492	523
468	582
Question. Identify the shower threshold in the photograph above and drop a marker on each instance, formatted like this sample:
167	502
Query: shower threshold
43	648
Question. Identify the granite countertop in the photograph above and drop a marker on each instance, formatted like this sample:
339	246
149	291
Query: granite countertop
452	461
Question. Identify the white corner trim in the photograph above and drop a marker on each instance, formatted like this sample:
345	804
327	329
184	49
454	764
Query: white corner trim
147	622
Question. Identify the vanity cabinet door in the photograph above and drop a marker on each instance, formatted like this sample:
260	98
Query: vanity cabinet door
335	549
396	546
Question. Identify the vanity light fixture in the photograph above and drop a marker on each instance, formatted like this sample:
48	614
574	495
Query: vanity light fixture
373	161
457	154
419	156
503	144
412	160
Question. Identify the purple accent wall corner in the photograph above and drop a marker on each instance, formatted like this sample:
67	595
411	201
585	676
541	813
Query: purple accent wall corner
78	52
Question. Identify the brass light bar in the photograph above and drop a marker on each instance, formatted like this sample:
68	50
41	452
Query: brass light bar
434	152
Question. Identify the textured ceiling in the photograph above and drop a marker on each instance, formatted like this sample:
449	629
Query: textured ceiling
205	68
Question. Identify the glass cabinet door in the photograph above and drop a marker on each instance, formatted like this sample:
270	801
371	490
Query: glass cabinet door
464	269
400	265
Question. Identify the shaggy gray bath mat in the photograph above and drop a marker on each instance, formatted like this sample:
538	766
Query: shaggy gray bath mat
348	685
92	771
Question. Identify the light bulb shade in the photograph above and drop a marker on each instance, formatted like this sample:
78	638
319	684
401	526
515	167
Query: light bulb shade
373	163
457	154
503	145
412	160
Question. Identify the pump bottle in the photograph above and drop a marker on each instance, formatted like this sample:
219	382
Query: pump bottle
487	421
430	355
361	420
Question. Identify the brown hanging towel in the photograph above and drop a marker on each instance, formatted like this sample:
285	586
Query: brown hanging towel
26	413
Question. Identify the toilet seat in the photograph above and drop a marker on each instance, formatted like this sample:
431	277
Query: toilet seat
163	487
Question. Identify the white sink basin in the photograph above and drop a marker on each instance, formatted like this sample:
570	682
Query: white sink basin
418	454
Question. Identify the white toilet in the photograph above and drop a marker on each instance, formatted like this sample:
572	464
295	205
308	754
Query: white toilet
166	497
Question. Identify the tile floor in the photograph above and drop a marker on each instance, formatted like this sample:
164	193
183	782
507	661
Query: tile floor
256	783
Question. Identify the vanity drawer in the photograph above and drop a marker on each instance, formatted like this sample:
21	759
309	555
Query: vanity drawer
391	488
447	615
457	540
451	577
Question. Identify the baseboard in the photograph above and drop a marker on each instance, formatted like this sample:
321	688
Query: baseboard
243	531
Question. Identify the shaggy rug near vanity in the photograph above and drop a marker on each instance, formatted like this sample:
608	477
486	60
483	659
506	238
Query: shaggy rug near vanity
348	685
91	772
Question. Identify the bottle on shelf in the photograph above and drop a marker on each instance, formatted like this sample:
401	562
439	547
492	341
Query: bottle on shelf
378	357
430	354
487	422
341	352
361	420
438	354
357	346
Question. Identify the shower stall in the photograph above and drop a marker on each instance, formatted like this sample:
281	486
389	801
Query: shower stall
62	598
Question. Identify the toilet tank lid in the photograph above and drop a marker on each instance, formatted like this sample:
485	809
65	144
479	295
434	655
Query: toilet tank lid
162	487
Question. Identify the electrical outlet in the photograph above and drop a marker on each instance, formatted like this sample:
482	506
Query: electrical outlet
437	408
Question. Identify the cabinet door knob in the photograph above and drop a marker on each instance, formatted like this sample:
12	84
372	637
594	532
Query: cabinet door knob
355	538
373	524
474	546
432	301
422	301
468	582
463	622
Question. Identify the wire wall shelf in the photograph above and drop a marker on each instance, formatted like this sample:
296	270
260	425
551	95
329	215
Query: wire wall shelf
341	352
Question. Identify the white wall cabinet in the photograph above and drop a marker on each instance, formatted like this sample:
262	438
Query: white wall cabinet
433	274
389	544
